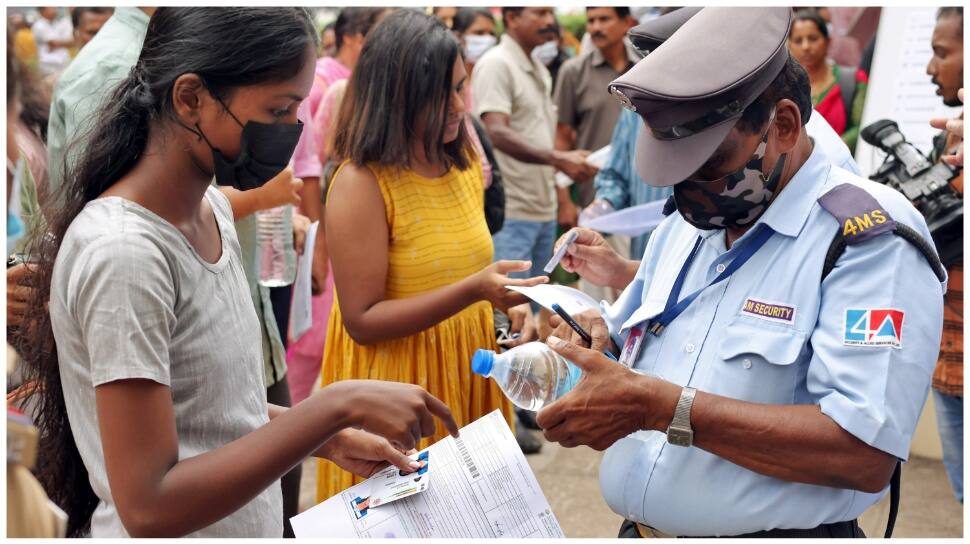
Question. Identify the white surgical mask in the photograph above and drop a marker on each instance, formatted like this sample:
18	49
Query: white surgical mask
546	53
476	46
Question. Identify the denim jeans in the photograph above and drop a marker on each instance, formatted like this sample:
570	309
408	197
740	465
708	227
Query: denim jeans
949	420
526	241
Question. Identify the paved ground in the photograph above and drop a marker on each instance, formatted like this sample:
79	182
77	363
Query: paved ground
569	479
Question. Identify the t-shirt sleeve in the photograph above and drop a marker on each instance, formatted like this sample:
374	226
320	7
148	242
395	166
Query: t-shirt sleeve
124	302
876	341
492	87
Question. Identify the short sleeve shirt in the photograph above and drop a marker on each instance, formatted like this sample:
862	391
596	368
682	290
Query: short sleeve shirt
82	88
860	345
506	80
585	104
131	299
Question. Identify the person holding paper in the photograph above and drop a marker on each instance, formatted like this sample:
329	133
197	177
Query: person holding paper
405	225
762	384
147	373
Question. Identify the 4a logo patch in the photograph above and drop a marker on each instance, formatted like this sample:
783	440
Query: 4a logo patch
874	327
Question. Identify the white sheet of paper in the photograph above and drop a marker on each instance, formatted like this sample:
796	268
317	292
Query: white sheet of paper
483	488
571	300
633	221
597	159
301	315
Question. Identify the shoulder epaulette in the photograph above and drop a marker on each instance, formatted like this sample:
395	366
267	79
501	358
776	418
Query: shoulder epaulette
860	215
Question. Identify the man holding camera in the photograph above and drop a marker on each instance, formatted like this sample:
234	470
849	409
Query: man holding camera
946	69
767	387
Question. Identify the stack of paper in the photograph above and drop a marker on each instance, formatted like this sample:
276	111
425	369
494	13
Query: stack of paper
476	486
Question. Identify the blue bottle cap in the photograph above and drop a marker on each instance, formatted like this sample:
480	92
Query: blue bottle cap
482	361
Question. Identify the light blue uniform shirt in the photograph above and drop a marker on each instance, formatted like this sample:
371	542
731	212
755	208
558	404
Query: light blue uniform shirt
876	393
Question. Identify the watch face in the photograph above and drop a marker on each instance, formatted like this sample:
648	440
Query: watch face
680	437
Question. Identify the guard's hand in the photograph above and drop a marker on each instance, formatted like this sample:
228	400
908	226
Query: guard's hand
592	258
590	320
364	454
609	402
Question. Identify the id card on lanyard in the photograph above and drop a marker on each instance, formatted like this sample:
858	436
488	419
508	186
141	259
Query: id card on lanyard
634	341
631	348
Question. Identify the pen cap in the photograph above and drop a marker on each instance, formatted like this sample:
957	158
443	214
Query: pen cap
482	361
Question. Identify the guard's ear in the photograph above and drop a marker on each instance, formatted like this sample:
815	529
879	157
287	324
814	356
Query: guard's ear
188	96
788	125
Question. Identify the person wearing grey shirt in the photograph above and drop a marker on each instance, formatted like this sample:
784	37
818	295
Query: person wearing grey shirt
153	414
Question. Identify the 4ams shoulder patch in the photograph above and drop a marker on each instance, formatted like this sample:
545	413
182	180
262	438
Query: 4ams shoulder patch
859	214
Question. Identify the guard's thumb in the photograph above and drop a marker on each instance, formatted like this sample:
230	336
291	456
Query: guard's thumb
584	358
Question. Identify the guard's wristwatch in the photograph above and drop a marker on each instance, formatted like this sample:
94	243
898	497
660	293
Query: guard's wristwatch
679	432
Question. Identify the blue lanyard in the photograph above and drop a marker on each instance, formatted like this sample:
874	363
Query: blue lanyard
673	309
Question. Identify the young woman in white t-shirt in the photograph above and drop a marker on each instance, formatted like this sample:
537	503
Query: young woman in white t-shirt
152	408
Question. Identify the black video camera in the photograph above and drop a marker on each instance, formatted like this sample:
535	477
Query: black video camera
925	184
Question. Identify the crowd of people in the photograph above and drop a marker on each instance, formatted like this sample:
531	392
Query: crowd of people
444	154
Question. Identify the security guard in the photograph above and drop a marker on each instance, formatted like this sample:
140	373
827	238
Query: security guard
769	386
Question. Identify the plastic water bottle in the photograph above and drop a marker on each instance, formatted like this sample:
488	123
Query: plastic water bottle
532	375
277	255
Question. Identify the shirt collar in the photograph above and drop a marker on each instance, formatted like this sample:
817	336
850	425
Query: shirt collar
597	58
789	211
524	61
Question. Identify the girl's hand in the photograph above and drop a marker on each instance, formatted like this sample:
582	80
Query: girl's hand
364	454
491	282
401	413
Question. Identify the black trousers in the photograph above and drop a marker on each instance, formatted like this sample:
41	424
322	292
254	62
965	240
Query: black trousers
279	394
847	529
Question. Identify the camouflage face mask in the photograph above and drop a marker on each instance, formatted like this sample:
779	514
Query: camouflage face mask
735	200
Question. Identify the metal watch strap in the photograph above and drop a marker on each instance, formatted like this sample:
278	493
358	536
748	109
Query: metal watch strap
679	432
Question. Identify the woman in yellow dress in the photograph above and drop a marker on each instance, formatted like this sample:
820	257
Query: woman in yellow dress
405	227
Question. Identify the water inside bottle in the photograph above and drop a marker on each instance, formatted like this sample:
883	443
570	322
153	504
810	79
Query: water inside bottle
277	264
540	379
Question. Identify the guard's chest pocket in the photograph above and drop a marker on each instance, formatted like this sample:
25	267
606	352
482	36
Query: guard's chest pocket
756	363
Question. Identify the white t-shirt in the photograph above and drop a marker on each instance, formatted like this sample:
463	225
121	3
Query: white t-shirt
131	298
49	59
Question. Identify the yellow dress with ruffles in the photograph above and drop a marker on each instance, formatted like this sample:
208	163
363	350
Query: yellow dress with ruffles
438	236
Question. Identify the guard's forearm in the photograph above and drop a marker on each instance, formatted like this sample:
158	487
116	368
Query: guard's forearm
789	442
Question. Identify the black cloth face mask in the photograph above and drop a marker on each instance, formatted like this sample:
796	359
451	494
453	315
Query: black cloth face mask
264	151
